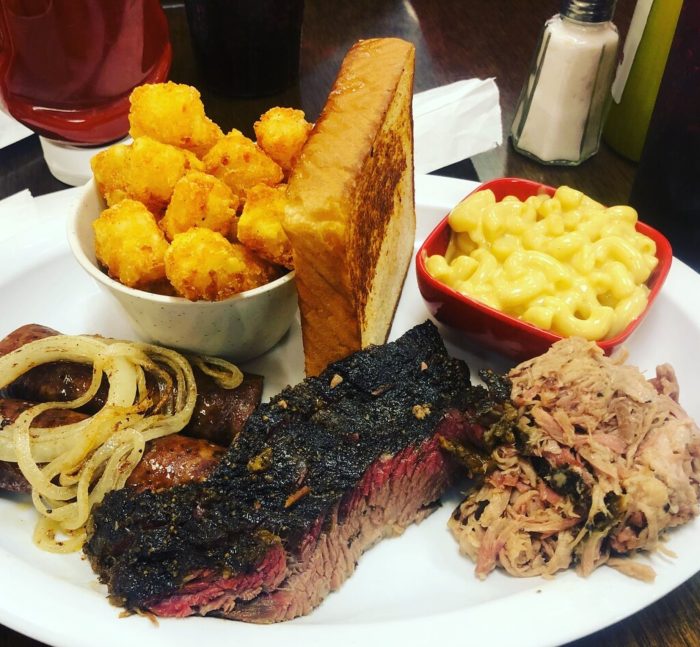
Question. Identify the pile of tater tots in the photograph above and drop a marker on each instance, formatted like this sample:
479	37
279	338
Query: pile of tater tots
193	212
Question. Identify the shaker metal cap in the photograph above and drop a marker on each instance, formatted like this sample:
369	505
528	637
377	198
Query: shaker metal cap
588	10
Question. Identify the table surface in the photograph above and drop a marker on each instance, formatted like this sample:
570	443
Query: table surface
455	39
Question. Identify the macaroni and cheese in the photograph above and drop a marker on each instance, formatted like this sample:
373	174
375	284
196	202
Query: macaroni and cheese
563	263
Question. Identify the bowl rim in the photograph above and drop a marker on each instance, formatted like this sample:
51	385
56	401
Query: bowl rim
77	247
664	254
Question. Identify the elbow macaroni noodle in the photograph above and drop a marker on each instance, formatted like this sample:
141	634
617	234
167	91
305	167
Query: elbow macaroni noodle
563	263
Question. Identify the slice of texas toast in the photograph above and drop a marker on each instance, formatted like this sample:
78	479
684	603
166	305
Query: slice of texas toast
351	213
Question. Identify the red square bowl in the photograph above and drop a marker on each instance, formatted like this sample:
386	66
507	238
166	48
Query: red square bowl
481	326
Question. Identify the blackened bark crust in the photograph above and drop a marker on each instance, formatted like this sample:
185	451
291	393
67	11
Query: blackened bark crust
298	458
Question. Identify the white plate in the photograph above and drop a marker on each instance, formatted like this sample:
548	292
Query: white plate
412	590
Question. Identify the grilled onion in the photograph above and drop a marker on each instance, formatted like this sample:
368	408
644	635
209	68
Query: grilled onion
72	467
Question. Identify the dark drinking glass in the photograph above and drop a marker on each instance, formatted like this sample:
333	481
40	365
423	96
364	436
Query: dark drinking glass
246	48
666	190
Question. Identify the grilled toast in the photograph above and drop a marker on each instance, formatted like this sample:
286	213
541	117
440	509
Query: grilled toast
351	214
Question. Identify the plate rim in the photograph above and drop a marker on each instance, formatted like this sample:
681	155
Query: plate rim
77	626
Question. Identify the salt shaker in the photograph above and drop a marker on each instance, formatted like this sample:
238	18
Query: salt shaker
562	107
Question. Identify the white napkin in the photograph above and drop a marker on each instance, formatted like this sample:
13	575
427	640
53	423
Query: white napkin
11	130
22	215
455	122
17	213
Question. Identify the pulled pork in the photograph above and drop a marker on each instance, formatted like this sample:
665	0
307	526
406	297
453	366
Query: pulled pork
600	462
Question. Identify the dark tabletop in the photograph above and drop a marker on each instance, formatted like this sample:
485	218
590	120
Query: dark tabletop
455	39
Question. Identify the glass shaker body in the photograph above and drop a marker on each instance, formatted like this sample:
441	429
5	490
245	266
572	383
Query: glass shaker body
561	110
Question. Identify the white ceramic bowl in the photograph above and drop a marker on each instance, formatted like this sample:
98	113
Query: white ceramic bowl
240	328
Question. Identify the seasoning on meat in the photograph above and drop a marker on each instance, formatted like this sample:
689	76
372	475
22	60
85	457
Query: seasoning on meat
173	460
601	462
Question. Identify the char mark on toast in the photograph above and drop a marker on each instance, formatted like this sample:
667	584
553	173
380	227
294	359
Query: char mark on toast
320	473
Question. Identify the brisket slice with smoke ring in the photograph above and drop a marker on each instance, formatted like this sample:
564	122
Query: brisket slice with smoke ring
320	473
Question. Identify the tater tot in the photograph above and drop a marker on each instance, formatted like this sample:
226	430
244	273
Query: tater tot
129	243
282	133
145	170
237	161
202	264
260	224
200	200
173	114
110	168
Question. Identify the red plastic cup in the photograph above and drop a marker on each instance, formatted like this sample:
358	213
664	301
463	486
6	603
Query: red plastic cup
67	67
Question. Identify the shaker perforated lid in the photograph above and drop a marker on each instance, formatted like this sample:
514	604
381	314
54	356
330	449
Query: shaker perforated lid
588	10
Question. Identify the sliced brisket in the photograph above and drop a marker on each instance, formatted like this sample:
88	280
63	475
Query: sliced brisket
320	473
